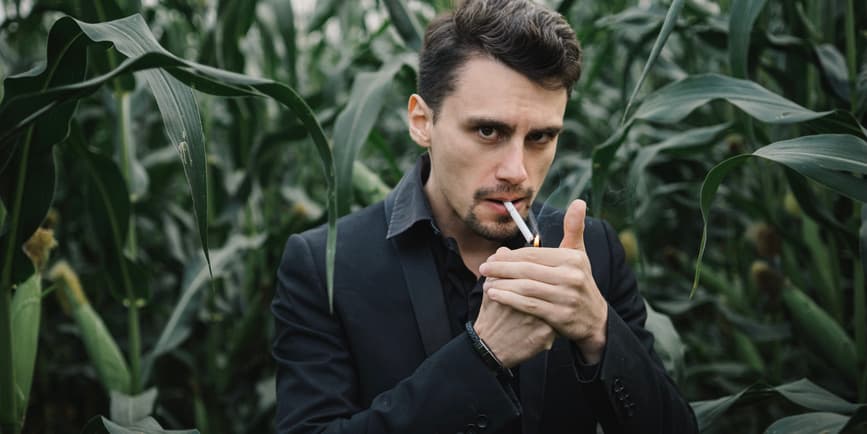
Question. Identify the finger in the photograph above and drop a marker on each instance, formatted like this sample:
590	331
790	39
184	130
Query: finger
573	225
549	256
531	306
530	288
554	275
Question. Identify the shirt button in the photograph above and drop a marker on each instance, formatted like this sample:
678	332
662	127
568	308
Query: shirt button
482	421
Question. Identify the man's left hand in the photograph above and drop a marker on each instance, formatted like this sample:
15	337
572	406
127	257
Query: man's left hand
555	285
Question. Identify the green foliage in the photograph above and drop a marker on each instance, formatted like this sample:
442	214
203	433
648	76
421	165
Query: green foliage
734	129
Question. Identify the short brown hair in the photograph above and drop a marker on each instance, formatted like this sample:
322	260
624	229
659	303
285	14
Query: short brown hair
527	37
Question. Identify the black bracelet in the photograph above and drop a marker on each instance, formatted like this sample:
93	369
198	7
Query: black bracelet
488	357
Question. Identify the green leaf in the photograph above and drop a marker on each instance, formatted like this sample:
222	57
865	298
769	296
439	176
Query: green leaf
834	160
176	102
405	23
743	17
176	329
24	110
126	409
809	423
696	139
667	342
26	164
324	10
838	161
802	392
102	349
26	310
148	425
674	102
833	68
822	333
108	199
354	123
664	33
709	187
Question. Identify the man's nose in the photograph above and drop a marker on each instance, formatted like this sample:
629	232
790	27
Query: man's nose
511	168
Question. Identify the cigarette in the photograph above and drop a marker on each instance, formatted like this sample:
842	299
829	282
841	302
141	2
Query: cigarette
522	226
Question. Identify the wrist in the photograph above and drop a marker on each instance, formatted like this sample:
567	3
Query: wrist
484	352
592	347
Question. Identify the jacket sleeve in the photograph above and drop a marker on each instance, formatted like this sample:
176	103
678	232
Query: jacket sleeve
318	387
631	391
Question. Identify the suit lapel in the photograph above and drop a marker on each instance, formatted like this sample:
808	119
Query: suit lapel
425	293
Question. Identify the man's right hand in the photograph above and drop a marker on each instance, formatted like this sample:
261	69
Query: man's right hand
512	336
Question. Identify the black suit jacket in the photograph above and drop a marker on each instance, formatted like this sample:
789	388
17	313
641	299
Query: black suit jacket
384	361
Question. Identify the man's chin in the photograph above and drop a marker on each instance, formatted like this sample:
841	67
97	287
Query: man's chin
495	231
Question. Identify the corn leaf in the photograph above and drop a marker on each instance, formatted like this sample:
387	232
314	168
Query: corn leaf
26	311
814	422
108	199
821	332
102	349
405	23
802	393
664	33
26	163
148	425
667	342
22	111
743	17
127	410
176	329
354	123
176	102
838	161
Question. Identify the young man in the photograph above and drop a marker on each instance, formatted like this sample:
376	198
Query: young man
443	321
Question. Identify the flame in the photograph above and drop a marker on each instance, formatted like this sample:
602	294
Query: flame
536	241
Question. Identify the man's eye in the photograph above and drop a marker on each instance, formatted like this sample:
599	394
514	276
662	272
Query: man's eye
487	132
539	137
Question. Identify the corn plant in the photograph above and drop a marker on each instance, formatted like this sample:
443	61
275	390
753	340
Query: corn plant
724	139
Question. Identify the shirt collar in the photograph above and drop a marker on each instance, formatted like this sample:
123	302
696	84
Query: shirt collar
411	204
410	201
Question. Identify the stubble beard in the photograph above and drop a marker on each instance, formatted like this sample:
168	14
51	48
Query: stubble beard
504	227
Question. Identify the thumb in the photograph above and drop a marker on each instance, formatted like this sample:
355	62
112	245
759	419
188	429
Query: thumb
573	225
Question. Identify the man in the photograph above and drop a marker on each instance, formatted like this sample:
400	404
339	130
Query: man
443	321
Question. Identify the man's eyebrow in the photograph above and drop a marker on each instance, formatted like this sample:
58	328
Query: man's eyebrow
552	130
479	121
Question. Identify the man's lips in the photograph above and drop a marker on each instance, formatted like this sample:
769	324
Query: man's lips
497	203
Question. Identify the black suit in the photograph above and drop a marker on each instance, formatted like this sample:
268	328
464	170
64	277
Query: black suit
385	360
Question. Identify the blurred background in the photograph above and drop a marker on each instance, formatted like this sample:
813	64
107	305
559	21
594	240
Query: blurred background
127	316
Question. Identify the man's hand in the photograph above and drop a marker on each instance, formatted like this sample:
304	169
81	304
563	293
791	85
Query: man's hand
554	285
512	336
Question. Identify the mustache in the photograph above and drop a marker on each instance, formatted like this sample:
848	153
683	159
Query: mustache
483	193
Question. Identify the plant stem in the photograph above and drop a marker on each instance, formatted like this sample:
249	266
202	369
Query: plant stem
9	407
851	54
8	404
127	148
134	347
859	299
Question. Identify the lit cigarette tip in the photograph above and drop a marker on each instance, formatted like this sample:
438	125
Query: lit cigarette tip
522	226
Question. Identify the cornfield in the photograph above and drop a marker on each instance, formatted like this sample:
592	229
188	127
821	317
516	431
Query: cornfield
155	156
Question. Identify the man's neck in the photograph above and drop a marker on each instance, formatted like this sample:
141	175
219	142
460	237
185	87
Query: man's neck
474	249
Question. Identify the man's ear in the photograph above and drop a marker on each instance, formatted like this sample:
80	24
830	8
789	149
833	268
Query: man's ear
420	119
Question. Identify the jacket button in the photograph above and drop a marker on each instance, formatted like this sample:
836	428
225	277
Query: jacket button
482	421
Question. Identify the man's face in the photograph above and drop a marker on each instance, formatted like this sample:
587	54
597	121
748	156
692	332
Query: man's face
493	140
